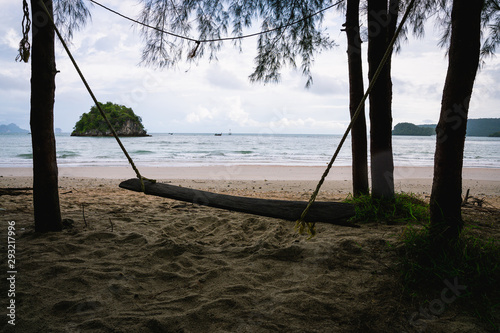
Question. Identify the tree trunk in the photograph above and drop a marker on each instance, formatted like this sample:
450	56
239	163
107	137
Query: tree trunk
381	20
463	62
359	142
47	212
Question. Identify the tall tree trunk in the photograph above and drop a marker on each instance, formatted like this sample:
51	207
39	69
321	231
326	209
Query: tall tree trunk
47	212
463	62
381	20
359	142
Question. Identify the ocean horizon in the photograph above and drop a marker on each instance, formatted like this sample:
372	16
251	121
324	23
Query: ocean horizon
199	149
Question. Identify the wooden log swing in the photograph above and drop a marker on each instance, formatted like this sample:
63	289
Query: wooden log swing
327	212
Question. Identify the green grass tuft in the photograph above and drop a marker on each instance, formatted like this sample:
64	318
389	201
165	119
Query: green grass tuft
424	267
403	208
474	262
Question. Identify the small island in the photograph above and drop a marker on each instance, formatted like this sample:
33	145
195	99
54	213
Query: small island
124	121
412	129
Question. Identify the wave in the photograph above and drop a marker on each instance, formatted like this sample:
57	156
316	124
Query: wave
243	152
25	156
142	152
67	154
214	153
240	149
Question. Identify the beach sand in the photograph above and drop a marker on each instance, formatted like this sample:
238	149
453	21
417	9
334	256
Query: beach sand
137	263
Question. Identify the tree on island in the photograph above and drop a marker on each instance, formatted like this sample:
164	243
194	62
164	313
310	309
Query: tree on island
123	119
70	15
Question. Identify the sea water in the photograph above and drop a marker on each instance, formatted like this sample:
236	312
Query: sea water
164	149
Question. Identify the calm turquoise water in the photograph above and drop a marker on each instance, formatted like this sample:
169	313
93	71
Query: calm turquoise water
207	149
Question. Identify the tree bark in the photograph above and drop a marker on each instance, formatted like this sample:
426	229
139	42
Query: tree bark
381	20
359	142
47	212
463	62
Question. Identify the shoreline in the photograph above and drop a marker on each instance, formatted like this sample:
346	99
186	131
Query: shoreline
243	172
260	180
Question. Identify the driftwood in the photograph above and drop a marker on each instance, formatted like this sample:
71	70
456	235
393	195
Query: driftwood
328	212
14	190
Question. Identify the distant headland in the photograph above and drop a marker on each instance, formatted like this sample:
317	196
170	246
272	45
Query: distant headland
124	121
12	128
412	129
475	127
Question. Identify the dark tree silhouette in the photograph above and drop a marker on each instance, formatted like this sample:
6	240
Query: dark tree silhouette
359	144
382	21
43	71
464	56
70	15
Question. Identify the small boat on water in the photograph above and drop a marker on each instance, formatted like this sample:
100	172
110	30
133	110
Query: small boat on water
218	134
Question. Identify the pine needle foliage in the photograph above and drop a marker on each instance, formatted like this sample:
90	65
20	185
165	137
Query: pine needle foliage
70	16
293	29
441	10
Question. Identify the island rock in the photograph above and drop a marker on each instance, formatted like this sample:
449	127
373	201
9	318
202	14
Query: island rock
125	122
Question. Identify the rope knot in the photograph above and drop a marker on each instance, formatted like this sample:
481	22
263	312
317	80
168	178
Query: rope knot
192	54
24	44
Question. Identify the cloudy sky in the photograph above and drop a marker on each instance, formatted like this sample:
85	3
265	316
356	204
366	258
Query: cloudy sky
217	96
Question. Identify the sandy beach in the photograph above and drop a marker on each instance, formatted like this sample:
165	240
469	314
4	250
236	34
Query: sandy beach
137	263
418	180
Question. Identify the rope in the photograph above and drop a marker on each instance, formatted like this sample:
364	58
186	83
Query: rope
217	39
301	225
138	174
24	45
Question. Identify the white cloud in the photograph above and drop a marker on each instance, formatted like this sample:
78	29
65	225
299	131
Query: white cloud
237	115
11	39
222	78
329	85
301	124
201	115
